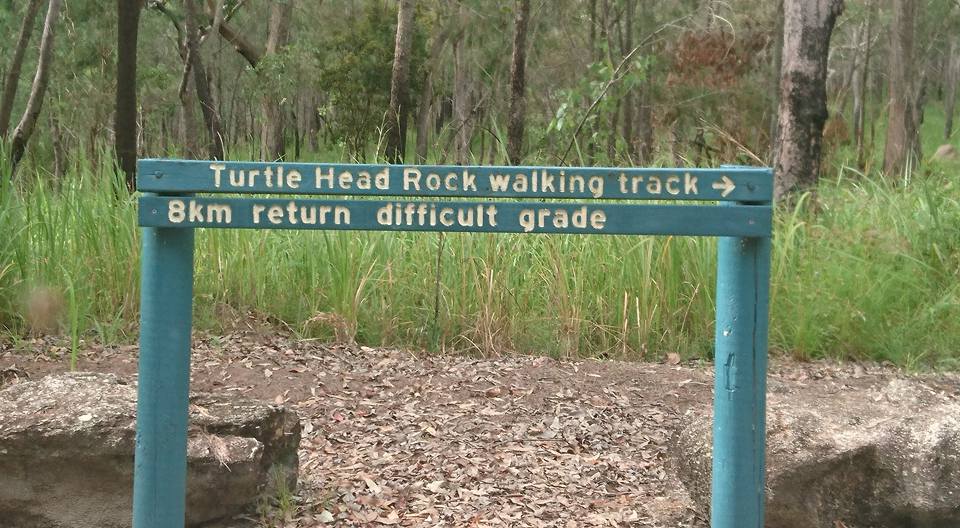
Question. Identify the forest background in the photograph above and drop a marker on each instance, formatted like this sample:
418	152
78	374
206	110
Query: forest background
851	102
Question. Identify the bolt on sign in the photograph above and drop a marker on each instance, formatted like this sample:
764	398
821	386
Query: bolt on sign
177	196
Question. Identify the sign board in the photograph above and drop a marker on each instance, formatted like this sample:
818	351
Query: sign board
733	203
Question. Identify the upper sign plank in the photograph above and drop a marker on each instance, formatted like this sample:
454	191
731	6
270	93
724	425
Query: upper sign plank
738	184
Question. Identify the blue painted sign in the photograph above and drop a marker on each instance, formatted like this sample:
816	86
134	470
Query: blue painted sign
742	184
576	200
420	215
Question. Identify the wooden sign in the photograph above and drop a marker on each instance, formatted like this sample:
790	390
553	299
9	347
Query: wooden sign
734	204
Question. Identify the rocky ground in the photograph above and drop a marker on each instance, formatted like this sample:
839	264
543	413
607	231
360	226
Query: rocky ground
393	437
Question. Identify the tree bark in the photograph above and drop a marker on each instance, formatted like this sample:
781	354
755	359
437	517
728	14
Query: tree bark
21	134
950	93
125	114
808	25
461	97
244	47
901	123
396	120
272	145
629	99
210	118
860	88
426	98
16	64
775	81
518	63
644	121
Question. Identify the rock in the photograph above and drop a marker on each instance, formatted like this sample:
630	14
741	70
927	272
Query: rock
887	457
67	442
945	152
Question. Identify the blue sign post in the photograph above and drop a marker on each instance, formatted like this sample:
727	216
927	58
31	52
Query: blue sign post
421	198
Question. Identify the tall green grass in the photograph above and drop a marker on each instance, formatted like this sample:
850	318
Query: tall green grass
866	269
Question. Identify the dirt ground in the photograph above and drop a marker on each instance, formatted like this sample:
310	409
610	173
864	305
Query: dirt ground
393	437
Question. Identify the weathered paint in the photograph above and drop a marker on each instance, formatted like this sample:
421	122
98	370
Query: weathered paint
742	280
166	306
743	184
494	217
743	271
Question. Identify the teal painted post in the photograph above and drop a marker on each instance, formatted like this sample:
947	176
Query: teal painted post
743	277
166	301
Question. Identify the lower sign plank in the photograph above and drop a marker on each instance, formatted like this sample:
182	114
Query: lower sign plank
493	217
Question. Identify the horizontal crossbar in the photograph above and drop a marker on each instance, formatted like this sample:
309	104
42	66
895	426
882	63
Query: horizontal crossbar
740	184
432	215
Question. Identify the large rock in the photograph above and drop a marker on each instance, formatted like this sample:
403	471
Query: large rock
67	442
878	458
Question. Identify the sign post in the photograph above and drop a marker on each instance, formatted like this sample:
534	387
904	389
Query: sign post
166	308
513	201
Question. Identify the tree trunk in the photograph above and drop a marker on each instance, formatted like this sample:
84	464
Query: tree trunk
21	134
518	64
248	51
189	129
860	88
953	78
16	63
272	134
644	121
396	123
629	99
461	99
901	130
210	118
426	98
808	25
775	80
125	114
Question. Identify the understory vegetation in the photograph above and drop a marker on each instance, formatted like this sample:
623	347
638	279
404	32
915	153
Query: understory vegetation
863	268
851	102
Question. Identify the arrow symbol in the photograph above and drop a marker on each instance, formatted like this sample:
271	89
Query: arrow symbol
725	185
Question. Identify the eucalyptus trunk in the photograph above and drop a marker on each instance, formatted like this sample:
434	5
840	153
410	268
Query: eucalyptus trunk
28	122
272	145
210	117
515	125
808	26
125	113
12	79
396	121
901	122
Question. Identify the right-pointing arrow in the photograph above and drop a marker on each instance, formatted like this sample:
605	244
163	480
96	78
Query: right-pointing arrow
725	186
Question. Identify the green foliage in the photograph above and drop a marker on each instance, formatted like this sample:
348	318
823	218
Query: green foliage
355	71
867	270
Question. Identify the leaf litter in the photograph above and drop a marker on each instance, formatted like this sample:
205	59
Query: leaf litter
394	438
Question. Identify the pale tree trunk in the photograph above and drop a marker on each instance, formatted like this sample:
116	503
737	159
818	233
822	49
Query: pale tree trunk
21	134
396	120
808	25
515	125
125	113
244	47
272	134
901	124
860	87
953	78
12	79
210	118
